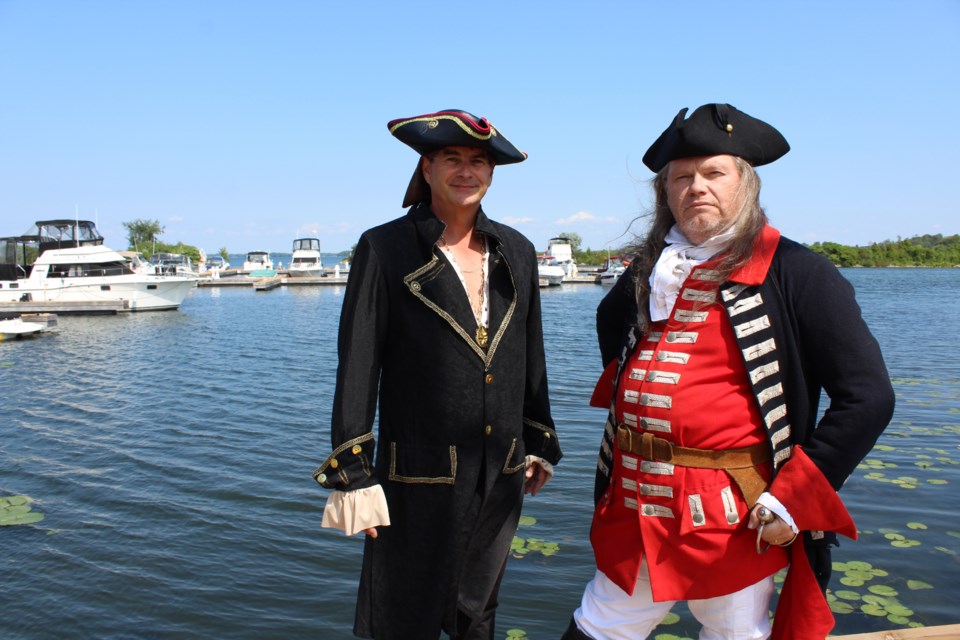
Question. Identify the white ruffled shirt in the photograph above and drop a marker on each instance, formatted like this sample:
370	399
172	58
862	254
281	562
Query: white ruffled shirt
676	262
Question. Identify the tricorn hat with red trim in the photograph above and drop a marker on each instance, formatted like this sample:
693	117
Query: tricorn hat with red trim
716	129
449	128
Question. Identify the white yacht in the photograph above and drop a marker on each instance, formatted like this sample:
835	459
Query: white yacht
259	263
305	260
66	261
550	272
174	264
562	251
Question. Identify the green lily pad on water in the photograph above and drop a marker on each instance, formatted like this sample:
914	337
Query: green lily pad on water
915	585
16	510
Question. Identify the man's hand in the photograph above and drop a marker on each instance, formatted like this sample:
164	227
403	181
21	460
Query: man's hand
536	477
775	531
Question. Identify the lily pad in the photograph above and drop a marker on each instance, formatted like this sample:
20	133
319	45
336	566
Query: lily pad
916	585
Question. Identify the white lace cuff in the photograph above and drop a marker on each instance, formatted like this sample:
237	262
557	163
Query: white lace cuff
770	502
353	511
543	463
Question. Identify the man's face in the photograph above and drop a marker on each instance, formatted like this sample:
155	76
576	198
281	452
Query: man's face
458	177
703	195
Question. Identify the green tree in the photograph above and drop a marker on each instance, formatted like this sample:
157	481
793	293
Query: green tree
224	253
141	230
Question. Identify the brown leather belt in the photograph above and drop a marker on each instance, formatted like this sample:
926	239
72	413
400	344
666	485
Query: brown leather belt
742	464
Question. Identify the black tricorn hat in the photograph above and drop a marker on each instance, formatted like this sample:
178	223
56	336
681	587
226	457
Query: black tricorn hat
716	129
449	128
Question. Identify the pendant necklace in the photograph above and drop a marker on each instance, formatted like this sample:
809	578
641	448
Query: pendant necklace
480	311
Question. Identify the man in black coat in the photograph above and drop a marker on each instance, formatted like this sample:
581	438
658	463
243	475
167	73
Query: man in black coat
441	332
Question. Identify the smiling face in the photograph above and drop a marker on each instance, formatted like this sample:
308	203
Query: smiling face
458	177
704	195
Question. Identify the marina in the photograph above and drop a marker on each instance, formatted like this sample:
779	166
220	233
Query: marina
170	455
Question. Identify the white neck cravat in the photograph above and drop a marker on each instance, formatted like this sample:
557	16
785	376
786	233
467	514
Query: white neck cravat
676	261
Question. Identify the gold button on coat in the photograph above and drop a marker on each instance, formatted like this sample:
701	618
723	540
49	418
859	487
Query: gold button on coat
489	378
488	430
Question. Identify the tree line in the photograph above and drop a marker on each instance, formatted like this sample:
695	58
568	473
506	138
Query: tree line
919	251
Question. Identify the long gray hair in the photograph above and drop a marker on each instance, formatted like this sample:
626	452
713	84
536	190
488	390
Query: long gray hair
750	221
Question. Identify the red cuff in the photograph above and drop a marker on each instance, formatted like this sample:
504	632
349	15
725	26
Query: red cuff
603	392
813	504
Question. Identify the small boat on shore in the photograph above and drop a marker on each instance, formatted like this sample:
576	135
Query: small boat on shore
66	261
305	261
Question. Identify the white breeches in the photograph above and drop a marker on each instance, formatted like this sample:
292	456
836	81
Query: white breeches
608	613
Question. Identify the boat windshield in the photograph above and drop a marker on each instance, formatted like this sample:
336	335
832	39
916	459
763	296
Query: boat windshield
92	270
57	234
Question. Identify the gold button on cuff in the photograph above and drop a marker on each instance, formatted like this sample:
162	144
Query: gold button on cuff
546	436
322	478
334	464
488	430
356	449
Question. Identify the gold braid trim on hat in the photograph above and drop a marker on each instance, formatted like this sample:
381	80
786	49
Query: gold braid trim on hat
457	120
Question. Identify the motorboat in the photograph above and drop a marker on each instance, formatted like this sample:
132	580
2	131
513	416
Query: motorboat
66	261
217	262
138	262
550	272
561	248
613	269
16	328
174	264
305	260
259	264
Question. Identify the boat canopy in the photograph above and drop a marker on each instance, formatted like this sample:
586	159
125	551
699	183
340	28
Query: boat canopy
60	234
306	244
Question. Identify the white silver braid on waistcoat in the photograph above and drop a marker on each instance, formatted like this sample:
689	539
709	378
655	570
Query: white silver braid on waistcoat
751	326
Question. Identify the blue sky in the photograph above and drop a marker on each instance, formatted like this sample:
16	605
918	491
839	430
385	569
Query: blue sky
247	124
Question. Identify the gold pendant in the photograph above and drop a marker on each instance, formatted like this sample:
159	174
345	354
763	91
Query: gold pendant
482	336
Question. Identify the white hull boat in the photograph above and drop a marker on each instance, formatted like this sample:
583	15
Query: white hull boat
74	266
16	328
551	274
305	260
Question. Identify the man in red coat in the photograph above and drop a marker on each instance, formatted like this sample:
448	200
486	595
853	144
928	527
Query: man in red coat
714	472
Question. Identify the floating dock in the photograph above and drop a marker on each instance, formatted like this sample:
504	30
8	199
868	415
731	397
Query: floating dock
11	309
946	632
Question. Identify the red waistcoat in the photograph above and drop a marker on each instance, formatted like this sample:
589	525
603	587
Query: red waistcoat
685	382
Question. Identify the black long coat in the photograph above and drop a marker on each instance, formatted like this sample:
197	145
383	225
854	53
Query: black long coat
455	420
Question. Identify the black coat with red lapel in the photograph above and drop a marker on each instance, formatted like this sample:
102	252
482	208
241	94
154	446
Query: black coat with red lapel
455	420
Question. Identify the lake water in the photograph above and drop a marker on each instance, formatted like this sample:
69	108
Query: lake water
171	454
